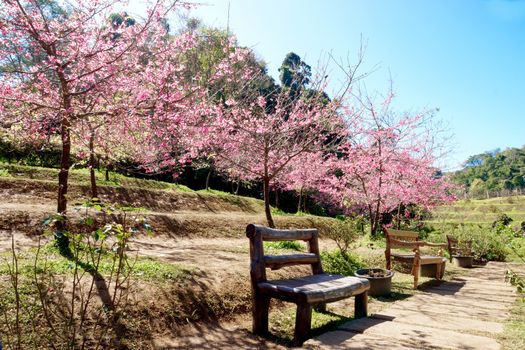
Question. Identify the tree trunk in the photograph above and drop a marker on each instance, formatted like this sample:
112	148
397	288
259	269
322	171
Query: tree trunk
63	175
399	216
266	188
238	187
277	198
64	168
93	179
300	200
208	177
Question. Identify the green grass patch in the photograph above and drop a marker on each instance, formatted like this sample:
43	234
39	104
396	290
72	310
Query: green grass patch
481	210
336	262
512	337
81	176
50	261
282	323
283	245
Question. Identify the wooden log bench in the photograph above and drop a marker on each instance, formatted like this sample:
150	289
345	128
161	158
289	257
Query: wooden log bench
427	265
460	252
307	291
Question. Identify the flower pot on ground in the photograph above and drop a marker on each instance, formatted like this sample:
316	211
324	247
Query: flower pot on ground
462	261
380	280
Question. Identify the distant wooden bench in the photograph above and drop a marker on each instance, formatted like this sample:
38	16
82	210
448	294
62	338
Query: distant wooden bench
307	292
460	252
421	264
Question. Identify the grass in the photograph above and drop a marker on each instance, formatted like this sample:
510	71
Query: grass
283	246
50	261
512	337
481	210
81	176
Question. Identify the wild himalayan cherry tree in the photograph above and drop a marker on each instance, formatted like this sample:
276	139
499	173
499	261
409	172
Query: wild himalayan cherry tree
259	142
304	175
75	71
388	161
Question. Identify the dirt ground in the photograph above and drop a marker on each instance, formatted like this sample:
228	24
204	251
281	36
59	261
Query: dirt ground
191	230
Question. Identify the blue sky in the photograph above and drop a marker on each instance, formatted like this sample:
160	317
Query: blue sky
466	57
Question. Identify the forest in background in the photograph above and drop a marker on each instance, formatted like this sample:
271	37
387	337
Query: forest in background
492	174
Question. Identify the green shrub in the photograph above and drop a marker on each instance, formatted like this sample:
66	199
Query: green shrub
284	245
344	231
488	243
337	262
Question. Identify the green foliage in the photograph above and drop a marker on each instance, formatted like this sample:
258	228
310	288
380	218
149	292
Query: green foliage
488	243
502	220
340	263
516	280
344	231
284	245
45	154
492	171
295	74
81	176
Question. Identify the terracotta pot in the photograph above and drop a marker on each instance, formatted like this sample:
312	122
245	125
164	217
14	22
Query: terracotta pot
462	261
379	286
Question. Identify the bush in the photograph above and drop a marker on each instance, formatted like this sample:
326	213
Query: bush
488	243
344	231
339	263
284	245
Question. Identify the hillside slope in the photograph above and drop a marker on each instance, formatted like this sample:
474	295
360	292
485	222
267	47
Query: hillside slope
481	210
28	194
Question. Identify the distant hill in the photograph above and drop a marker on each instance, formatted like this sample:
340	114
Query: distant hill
492	174
481	210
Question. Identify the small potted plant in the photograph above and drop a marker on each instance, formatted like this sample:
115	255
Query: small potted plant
380	280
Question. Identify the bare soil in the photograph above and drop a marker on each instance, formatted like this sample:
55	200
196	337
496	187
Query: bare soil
202	232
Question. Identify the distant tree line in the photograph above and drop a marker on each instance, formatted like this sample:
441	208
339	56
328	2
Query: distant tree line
493	173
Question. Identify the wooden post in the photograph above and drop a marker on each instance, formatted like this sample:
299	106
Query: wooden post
260	310
387	250
303	323
260	302
416	266
313	247
361	305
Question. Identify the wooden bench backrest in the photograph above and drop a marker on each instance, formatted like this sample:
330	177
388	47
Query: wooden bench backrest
394	239
259	262
454	246
399	235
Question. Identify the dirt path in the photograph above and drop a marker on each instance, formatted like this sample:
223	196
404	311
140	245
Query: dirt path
465	313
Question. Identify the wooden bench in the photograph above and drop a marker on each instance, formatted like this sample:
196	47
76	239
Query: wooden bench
307	292
421	264
460	253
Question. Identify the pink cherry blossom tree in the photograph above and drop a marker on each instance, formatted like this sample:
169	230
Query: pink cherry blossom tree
388	161
304	175
259	142
78	67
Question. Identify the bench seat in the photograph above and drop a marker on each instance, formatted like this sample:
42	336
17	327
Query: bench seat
424	259
312	289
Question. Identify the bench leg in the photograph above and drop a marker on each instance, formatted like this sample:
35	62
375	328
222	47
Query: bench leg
361	305
438	271
320	307
442	270
416	272
261	306
303	323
